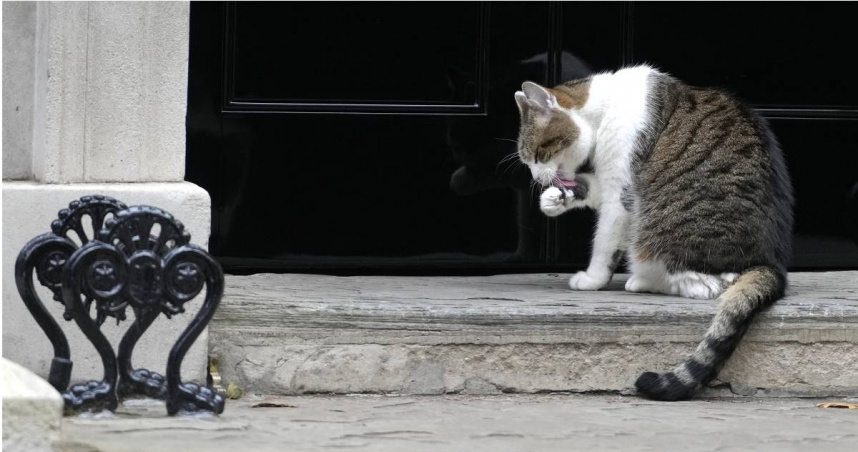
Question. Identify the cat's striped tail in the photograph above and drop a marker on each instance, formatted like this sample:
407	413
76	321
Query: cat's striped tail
754	289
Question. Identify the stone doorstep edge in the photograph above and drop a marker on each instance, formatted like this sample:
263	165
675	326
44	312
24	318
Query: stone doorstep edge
786	370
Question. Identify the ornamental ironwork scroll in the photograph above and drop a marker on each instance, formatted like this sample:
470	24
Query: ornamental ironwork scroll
128	263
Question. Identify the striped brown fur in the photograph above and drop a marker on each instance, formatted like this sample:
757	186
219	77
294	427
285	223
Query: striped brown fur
712	195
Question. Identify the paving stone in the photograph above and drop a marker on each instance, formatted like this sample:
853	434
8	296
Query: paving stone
549	422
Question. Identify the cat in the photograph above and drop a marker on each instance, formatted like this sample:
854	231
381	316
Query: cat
690	186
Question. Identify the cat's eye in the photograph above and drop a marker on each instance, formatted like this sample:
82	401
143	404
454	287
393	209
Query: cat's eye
550	142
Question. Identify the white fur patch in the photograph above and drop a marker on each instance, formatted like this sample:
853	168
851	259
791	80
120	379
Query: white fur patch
652	276
696	285
729	278
609	124
648	277
551	202
616	110
587	281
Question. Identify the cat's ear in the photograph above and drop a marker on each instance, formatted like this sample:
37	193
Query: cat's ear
539	95
521	101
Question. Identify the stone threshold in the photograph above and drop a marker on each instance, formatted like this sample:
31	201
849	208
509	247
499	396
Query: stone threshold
525	333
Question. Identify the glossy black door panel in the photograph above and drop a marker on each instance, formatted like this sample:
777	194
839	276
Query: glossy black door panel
823	162
341	191
298	56
398	168
380	137
592	37
774	55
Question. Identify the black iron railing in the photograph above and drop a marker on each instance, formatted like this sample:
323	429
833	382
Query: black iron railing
128	263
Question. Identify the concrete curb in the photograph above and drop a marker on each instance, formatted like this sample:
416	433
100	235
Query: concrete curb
32	410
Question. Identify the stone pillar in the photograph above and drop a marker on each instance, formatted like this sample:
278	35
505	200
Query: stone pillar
19	80
94	101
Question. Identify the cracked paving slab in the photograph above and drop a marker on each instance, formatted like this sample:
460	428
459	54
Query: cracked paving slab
548	422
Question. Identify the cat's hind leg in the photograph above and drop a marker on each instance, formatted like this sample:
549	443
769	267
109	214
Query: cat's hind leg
649	276
652	276
701	286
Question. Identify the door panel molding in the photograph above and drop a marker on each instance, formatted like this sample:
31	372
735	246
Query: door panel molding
233	103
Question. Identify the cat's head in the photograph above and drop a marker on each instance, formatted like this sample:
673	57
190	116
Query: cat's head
554	139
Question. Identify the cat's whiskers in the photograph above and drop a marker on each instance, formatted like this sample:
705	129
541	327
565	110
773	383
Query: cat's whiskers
506	170
508	157
534	187
506	139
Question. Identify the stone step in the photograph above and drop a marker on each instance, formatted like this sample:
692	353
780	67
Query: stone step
528	333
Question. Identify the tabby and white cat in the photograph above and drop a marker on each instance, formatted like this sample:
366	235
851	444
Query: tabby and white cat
689	184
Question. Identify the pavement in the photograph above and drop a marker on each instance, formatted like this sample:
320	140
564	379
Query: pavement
508	422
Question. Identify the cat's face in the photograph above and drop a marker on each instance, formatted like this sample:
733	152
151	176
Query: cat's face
553	141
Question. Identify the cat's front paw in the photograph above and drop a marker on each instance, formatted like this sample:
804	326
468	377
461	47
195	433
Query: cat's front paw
552	201
586	281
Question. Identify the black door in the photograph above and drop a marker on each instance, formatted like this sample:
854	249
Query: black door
379	138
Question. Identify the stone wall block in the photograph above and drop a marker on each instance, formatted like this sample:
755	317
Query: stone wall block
137	91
